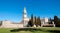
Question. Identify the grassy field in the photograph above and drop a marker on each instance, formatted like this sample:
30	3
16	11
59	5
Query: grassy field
43	30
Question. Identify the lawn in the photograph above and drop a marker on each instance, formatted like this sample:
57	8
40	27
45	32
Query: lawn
43	30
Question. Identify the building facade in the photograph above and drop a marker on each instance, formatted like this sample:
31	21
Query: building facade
10	24
24	22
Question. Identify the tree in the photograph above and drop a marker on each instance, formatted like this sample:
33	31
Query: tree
50	21
58	23
32	22
35	21
38	21
55	19
0	23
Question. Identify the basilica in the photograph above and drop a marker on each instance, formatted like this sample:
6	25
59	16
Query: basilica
23	23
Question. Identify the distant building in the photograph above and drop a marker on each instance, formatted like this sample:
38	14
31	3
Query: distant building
45	22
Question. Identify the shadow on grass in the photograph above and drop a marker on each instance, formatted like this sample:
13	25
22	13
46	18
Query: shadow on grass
35	29
25	29
54	31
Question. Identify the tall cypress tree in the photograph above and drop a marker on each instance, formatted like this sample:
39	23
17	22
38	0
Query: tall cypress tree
50	21
32	20
30	23
55	19
35	21
38	21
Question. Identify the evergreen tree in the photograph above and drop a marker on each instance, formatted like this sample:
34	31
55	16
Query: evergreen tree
50	21
32	21
35	21
38	21
55	19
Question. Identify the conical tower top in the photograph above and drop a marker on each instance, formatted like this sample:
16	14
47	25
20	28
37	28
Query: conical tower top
24	9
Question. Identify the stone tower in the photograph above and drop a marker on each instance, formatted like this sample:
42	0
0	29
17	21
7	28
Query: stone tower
25	19
24	13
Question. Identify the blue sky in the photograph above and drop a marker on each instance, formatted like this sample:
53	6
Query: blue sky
12	9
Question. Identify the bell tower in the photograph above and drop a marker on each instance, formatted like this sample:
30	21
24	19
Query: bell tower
25	19
24	13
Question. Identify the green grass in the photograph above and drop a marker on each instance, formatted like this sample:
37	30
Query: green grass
44	30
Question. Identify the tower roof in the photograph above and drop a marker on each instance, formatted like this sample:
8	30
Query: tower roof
24	9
